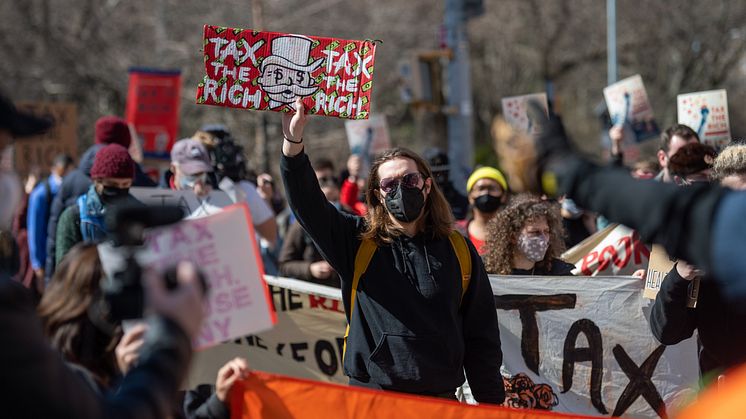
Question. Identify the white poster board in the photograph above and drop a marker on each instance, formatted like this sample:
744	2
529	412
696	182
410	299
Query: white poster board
615	250
628	104
223	247
515	110
707	114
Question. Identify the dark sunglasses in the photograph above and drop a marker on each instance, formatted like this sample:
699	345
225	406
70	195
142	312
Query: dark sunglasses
411	180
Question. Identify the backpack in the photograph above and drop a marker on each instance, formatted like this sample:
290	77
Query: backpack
368	248
92	226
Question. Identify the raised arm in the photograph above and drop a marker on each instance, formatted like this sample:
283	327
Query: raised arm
335	234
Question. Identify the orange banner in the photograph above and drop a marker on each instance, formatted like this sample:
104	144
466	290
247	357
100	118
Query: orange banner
265	395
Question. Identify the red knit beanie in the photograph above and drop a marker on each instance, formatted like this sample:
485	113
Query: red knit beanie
113	161
113	130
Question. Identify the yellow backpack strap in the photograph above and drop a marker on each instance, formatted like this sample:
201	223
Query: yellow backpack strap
362	260
464	258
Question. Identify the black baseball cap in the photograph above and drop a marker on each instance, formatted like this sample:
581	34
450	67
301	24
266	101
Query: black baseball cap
21	123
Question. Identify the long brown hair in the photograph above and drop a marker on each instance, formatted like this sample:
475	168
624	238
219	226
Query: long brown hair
64	307
436	218
503	231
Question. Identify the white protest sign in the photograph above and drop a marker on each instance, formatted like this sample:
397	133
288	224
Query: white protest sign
707	114
368	137
223	247
515	110
615	250
566	319
628	104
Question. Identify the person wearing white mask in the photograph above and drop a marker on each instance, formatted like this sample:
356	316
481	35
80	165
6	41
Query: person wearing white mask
525	238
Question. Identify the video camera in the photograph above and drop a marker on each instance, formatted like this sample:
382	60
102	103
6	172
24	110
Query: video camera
123	291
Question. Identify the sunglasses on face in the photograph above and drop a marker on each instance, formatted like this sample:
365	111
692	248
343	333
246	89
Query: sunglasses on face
411	180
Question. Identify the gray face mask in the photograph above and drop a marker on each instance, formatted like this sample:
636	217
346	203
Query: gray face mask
533	247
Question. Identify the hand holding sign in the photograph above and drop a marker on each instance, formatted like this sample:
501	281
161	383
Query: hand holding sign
292	129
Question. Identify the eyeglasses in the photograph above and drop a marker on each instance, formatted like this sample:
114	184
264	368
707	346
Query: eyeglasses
411	180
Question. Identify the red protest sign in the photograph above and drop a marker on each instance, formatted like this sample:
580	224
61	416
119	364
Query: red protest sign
153	109
267	70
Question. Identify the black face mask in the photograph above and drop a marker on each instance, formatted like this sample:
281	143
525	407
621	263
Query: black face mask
487	203
110	194
405	203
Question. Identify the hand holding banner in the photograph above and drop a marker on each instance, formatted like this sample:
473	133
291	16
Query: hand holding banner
267	70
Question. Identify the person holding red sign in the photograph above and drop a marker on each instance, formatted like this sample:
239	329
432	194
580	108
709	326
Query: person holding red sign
418	301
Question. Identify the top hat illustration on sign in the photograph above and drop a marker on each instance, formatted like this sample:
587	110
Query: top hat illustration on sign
286	74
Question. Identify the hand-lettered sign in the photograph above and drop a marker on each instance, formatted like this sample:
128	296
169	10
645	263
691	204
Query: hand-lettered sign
628	103
39	151
222	245
706	113
267	70
515	110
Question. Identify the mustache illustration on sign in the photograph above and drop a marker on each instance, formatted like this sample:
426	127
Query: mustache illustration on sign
286	73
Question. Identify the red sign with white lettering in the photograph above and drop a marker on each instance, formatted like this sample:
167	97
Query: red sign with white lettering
267	70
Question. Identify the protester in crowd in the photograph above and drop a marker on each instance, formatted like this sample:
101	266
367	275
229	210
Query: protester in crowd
265	186
441	168
672	139
112	173
37	383
108	130
190	165
730	167
687	299
488	192
352	180
299	257
692	163
525	238
39	206
416	322
75	319
211	402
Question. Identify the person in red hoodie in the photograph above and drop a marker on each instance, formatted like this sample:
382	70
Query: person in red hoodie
350	189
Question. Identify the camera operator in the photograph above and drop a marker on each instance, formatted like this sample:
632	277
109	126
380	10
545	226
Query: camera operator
36	382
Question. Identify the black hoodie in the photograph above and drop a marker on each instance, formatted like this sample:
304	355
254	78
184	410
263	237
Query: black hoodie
409	331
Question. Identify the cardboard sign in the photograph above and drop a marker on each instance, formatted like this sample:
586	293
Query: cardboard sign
615	250
187	200
267	70
40	151
628	104
368	138
546	324
223	247
660	264
515	110
706	113
153	109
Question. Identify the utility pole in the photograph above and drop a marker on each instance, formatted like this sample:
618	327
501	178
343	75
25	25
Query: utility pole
459	103
611	70
260	121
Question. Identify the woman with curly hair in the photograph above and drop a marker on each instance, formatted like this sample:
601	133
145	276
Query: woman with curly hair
526	238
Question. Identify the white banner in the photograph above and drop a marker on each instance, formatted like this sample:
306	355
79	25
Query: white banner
587	339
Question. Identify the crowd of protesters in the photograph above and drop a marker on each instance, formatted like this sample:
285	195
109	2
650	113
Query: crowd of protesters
403	225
